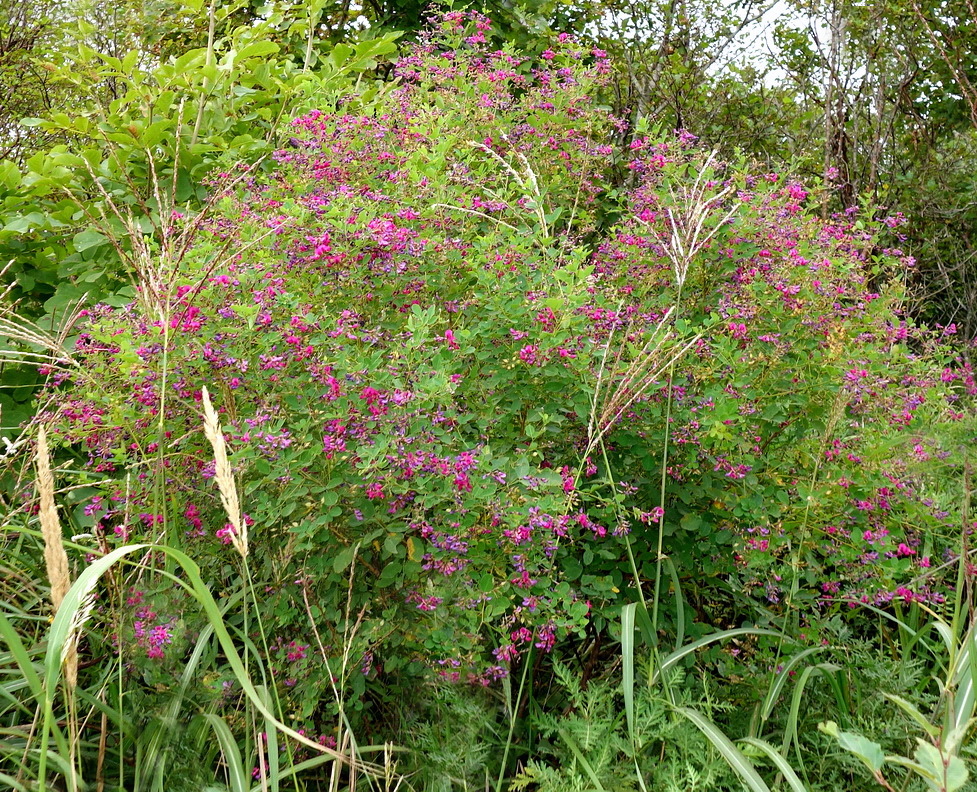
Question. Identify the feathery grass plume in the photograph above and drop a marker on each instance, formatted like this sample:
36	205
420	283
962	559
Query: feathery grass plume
33	345
153	259
528	183
659	352
55	557
224	477
687	217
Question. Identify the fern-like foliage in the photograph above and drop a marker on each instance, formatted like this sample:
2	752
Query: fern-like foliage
586	745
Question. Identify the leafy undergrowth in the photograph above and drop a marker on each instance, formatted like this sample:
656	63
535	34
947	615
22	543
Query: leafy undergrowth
487	387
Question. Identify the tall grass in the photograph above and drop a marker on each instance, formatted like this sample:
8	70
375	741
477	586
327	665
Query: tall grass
47	705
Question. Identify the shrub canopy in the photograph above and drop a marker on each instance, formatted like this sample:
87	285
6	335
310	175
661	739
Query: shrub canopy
455	342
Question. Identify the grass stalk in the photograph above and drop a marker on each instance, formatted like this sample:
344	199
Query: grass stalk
666	444
513	717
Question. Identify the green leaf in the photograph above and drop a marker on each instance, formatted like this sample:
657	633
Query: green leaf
26	222
256	49
943	772
344	559
89	239
9	175
913	713
869	752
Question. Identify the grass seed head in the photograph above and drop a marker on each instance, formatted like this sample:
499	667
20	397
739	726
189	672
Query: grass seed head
224	477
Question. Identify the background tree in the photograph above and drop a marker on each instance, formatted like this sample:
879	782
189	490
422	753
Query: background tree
27	88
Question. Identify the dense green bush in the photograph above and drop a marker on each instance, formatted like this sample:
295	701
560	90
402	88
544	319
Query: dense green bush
429	381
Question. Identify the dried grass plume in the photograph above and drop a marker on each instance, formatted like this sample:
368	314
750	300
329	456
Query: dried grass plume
224	477
55	557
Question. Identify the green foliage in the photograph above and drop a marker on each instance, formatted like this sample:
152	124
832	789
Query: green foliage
164	127
586	744
453	740
26	87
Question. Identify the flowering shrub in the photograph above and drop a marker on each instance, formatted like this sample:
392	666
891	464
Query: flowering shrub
448	391
802	425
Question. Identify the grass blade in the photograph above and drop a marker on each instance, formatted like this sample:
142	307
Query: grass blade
733	755
236	775
301	767
72	615
575	750
963	675
271	741
915	714
12	783
770	701
679	604
21	657
782	765
790	730
677	655
627	659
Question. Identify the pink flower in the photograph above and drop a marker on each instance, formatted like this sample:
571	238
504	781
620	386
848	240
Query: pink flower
569	484
375	491
528	354
370	395
296	651
225	534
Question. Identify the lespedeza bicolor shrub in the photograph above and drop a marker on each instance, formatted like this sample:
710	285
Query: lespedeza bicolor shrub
443	382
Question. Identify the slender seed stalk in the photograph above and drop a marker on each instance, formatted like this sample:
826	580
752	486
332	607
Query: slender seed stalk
666	442
514	709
